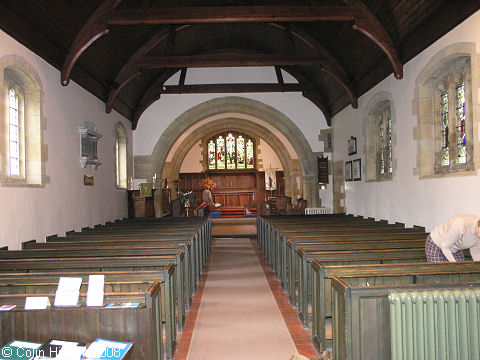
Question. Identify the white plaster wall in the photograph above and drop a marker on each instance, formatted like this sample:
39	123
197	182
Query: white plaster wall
193	161
407	198
65	203
268	156
157	117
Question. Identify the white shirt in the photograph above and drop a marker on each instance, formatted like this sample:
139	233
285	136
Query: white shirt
457	233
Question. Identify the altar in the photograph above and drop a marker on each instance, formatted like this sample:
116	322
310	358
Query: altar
234	198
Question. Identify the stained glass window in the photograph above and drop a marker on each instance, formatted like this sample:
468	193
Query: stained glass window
460	112
250	158
444	128
240	152
230	151
389	143
14	133
385	141
220	152
211	155
383	121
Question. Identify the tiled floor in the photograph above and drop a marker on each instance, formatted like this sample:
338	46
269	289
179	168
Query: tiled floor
300	336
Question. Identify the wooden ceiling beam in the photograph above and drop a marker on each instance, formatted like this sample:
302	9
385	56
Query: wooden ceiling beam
231	88
91	31
151	95
129	71
224	60
369	25
311	93
343	83
229	14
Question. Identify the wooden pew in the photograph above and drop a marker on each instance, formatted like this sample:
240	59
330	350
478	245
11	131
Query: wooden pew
141	325
378	274
197	259
127	280
305	258
286	252
101	264
100	248
361	316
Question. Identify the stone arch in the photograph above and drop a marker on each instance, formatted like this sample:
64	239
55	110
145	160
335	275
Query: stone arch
290	166
229	106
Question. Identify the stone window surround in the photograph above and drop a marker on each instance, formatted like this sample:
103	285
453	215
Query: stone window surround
426	108
121	171
376	105
14	68
204	145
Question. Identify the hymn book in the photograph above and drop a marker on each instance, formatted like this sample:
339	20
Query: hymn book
102	349
19	350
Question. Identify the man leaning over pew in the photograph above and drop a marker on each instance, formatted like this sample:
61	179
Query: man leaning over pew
447	241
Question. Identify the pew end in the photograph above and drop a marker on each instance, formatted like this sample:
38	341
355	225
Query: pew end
24	243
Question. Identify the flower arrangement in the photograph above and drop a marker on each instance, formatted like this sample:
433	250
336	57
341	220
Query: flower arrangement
208	184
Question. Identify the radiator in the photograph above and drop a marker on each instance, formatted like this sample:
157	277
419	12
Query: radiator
318	211
434	325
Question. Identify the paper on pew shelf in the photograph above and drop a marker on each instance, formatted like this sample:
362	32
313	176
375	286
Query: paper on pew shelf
37	302
68	291
107	349
70	352
24	344
96	289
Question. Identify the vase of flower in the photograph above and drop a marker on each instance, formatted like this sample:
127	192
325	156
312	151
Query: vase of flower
208	186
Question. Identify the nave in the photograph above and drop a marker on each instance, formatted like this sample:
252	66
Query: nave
240	310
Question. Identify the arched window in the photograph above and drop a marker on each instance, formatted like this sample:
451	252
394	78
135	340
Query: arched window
230	151
450	121
21	139
379	138
16	138
384	141
121	156
444	105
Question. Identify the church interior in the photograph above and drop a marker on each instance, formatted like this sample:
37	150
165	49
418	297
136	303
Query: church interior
230	166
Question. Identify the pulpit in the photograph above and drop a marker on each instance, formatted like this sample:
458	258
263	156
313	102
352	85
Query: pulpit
140	206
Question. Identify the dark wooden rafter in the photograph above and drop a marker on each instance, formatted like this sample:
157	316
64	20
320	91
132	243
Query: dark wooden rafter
91	31
183	75
231	88
137	61
221	59
105	15
329	66
346	86
129	71
229	14
151	95
369	25
314	45
311	93
278	72
289	40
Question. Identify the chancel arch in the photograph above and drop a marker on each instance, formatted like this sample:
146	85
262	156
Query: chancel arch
244	115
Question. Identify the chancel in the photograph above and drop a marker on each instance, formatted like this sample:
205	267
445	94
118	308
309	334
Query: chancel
251	180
